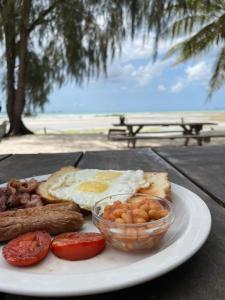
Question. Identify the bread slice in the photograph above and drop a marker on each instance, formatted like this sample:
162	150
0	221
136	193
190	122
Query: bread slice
159	184
43	187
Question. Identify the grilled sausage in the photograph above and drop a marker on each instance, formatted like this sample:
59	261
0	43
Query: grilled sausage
53	218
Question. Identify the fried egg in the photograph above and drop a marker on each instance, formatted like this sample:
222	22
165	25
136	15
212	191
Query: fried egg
86	187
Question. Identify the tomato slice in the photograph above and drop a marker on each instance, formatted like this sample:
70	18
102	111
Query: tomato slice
27	249
77	245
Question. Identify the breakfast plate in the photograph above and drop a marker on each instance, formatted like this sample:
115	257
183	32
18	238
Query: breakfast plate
113	269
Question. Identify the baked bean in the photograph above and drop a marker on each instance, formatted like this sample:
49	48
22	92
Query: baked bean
135	210
145	207
107	207
123	206
139	220
108	216
119	220
129	205
157	214
127	217
164	213
135	205
155	205
118	212
140	213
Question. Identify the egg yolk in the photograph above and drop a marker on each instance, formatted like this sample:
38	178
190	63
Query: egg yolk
93	186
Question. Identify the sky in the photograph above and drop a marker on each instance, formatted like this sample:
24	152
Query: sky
135	84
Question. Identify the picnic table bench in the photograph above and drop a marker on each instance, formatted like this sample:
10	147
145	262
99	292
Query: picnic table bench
131	132
202	170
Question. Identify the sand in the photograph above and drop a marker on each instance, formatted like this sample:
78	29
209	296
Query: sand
69	133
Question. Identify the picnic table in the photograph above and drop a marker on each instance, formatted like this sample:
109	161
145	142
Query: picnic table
186	130
202	170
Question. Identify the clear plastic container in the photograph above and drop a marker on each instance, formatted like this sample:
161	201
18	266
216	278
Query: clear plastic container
132	237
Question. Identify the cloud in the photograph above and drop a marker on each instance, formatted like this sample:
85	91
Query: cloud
145	73
134	64
161	88
139	48
135	74
136	49
119	72
198	71
178	87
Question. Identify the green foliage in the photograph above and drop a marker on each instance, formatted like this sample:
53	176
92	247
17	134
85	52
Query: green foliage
73	39
203	24
218	78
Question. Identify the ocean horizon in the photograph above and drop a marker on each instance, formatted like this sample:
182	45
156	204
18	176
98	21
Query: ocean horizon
58	114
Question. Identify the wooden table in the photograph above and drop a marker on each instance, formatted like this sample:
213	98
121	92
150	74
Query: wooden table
187	128
201	170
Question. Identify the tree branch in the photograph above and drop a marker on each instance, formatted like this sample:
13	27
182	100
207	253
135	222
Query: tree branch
42	15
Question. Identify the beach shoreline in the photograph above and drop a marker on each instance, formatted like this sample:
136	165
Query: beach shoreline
81	123
63	133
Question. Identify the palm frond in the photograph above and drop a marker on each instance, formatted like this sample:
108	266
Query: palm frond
209	35
218	77
184	26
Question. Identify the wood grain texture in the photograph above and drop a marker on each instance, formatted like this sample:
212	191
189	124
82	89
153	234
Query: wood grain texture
28	165
202	277
4	156
205	166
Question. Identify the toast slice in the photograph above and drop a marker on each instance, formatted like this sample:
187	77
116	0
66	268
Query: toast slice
43	187
159	184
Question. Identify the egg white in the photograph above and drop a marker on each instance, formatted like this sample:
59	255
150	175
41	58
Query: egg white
86	187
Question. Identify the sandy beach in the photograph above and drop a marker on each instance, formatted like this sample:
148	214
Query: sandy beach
56	133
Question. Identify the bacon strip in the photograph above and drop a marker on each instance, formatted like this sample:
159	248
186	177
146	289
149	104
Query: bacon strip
19	194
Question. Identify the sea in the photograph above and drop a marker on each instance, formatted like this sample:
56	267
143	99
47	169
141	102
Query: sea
60	114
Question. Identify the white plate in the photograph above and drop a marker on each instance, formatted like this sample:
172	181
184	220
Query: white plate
112	269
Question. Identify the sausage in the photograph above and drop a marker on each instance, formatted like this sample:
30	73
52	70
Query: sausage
53	218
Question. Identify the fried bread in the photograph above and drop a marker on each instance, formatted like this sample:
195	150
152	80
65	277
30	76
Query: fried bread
159	184
43	188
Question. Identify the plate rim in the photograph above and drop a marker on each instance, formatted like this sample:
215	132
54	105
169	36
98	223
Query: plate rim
24	289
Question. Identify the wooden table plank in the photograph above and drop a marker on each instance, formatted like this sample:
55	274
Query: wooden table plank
22	166
4	156
163	124
205	166
202	277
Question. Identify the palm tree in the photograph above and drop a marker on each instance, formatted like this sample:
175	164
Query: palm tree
202	23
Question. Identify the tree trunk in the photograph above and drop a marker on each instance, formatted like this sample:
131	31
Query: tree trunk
16	97
8	16
18	125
